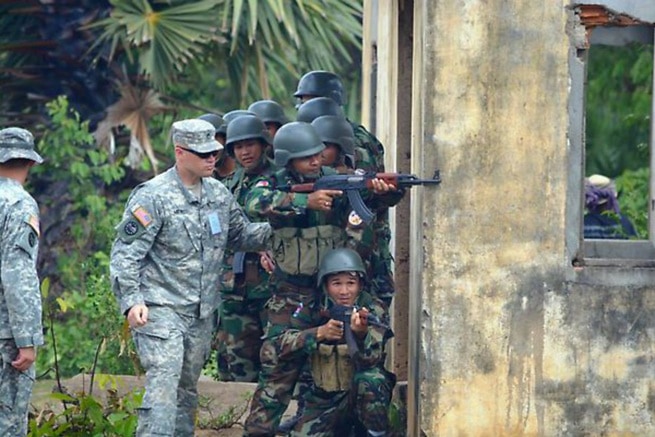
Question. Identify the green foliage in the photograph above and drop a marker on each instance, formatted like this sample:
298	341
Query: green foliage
85	415
81	311
227	419
618	108
633	188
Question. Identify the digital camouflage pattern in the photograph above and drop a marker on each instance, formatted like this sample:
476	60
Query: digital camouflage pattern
369	395
168	256
17	143
20	300
242	314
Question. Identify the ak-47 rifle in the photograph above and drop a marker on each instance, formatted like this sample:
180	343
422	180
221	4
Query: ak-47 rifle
352	184
343	313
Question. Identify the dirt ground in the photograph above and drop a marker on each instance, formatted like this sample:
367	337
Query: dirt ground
215	398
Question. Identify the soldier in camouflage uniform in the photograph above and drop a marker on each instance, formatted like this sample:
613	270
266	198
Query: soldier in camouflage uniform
369	157
305	228
165	264
20	303
242	317
349	381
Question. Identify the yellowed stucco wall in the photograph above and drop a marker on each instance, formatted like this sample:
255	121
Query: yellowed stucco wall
507	343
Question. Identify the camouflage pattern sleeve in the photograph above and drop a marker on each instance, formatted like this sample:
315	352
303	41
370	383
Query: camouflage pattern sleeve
244	235
372	346
136	234
20	283
292	325
368	141
264	200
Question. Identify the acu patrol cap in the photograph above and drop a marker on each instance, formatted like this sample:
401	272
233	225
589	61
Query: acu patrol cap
196	135
17	143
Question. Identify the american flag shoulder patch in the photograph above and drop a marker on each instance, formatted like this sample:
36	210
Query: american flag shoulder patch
142	215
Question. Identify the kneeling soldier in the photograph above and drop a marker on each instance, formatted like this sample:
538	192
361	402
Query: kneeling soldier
350	382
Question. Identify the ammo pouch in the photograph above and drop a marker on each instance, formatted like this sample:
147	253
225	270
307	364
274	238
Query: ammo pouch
332	368
298	251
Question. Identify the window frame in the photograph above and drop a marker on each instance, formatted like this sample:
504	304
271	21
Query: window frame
588	253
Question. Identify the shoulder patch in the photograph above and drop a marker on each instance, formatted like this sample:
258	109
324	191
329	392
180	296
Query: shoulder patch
261	184
142	215
33	221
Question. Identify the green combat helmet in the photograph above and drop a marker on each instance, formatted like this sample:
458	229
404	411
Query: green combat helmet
337	130
269	111
341	260
321	84
214	119
314	108
245	127
230	116
296	140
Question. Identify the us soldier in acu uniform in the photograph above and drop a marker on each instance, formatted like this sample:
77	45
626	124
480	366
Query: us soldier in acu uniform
350	382
369	157
20	301
305	228
242	318
165	264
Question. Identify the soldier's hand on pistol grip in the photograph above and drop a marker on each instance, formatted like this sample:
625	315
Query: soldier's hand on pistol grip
321	200
331	331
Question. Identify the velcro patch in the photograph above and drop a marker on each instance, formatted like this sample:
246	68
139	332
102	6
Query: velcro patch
142	215
354	220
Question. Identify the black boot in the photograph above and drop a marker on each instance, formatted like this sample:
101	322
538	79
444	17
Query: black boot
285	427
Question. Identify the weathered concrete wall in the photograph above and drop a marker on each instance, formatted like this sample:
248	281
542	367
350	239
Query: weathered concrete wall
508	345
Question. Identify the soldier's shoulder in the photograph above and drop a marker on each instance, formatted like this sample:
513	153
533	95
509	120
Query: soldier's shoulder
14	195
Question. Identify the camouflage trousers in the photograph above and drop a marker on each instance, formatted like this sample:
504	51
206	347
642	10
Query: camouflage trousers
334	413
239	338
173	349
15	392
277	377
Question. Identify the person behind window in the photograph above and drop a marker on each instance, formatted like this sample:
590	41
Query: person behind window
603	218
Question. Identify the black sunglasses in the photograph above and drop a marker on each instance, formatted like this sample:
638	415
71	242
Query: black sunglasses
205	155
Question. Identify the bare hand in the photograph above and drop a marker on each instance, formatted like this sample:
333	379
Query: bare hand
359	322
25	358
331	331
321	200
267	262
137	316
381	187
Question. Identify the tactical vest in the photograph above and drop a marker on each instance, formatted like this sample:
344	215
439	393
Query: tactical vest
301	241
332	368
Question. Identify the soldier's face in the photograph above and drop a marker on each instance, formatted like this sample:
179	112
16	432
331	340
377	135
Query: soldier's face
272	128
330	154
248	153
343	288
309	165
200	165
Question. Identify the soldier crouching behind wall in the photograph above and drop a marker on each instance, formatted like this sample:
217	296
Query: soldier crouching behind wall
350	383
